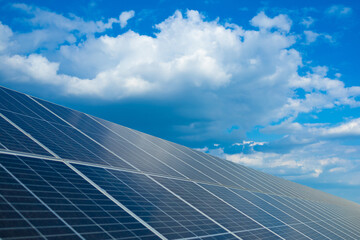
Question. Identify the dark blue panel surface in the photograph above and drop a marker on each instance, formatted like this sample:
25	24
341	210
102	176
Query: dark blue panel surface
316	231
210	205
219	237
244	206
207	168
155	205
137	151
257	234
290	233
320	221
80	205
325	219
20	103
65	141
12	139
18	205
12	222
272	209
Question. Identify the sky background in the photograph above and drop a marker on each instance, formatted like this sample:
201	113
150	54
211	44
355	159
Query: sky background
273	85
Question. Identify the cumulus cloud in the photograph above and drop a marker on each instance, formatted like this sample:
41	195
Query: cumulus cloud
125	17
227	73
221	79
281	22
5	34
50	29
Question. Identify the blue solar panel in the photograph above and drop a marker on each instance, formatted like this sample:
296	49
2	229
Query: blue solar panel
158	207
78	204
24	105
12	139
257	234
244	206
142	154
100	180
65	141
227	236
25	215
210	205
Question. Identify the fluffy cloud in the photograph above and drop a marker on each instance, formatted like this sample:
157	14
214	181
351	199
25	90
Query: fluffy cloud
5	34
228	74
222	80
125	17
281	22
50	29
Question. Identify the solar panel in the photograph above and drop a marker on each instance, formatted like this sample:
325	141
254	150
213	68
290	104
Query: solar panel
67	175
60	202
151	202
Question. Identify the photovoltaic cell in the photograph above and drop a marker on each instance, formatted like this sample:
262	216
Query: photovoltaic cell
18	204
90	213
207	169
12	139
210	205
142	155
227	236
152	203
13	225
24	105
257	234
66	142
289	233
131	185
244	206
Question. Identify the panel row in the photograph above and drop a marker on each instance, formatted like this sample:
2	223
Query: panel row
46	199
100	142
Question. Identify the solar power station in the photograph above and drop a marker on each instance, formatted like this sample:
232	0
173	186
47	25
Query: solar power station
69	175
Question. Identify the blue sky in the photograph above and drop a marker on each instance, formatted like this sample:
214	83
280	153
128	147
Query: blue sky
273	85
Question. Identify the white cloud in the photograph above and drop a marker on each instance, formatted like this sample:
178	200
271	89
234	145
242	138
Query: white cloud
125	16
347	129
47	19
51	29
281	22
339	10
228	78
224	71
5	34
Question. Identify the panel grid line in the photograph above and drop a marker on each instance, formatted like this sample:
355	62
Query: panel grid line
154	156
267	212
41	201
176	195
114	200
70	174
29	136
237	210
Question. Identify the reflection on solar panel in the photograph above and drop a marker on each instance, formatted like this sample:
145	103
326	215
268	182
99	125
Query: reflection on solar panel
67	175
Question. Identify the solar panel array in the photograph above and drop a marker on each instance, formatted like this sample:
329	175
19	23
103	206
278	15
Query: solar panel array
68	175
